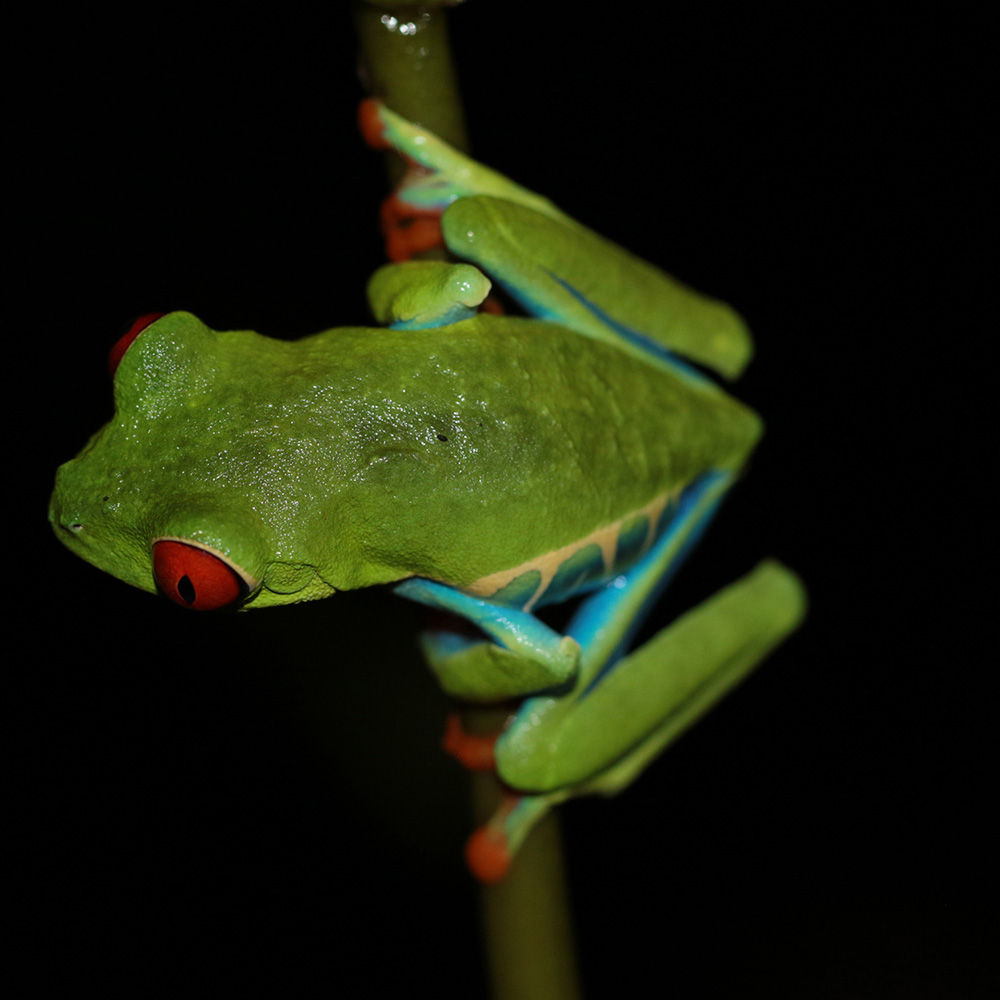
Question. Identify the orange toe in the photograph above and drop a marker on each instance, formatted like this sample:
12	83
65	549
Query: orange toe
474	752
370	124
486	855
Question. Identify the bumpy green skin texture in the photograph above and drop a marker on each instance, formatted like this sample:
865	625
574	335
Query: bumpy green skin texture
362	456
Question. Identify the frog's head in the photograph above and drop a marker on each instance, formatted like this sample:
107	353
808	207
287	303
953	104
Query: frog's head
189	489
197	554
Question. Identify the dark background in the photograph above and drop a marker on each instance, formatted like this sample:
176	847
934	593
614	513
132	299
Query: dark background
256	803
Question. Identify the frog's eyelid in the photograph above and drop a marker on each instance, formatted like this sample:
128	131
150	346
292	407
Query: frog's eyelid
117	352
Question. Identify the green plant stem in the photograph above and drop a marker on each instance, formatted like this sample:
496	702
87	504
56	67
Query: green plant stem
406	61
526	917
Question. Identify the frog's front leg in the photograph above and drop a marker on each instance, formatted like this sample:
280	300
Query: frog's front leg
521	655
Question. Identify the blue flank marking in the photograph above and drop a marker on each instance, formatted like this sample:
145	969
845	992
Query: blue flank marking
533	306
601	608
633	336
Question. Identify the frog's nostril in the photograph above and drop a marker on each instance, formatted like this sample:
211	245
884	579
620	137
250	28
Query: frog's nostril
66	521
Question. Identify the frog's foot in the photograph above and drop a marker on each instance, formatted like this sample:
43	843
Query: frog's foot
491	848
438	174
419	294
511	654
484	672
409	228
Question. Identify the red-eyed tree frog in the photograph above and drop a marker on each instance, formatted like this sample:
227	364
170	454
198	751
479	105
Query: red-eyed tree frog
485	465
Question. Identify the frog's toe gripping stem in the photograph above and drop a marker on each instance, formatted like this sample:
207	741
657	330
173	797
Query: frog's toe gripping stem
483	671
370	125
474	751
410	226
408	230
491	848
487	852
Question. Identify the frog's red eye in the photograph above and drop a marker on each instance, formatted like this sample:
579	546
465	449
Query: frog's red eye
196	578
118	351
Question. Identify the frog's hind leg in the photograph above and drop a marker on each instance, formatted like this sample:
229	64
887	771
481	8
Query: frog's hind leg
439	174
625	709
602	626
554	751
650	698
557	269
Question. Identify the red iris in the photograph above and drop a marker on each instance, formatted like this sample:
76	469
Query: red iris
195	578
118	351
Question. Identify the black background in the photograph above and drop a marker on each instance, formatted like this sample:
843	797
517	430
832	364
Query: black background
256	803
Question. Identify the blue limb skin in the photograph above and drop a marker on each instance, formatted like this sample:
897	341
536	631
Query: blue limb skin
525	655
628	598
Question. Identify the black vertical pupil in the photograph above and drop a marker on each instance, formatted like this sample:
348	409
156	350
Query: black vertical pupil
186	589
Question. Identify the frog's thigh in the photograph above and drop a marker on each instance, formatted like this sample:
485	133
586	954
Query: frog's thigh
558	270
522	250
657	692
524	657
651	697
530	748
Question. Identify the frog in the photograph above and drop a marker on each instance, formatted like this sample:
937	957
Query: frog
485	461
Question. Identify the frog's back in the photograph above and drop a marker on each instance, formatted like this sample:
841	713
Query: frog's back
497	447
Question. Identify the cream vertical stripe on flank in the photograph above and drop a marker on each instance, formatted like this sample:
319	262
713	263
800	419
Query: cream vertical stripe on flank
548	563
